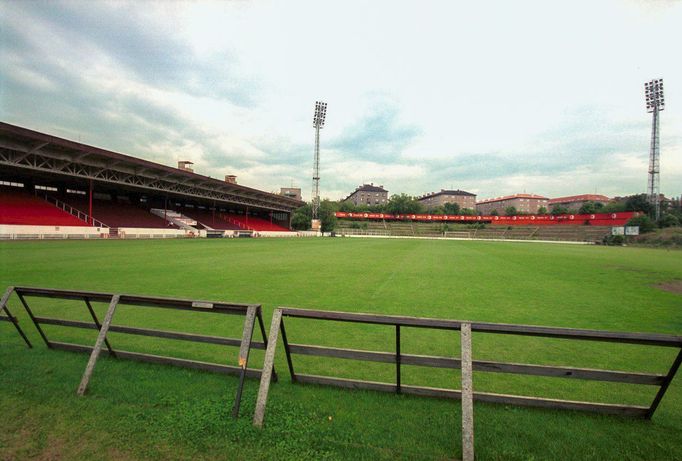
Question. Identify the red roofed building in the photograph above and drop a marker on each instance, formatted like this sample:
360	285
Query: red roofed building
524	203
574	202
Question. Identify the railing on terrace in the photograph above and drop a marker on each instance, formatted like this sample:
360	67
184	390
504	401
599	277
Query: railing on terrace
75	212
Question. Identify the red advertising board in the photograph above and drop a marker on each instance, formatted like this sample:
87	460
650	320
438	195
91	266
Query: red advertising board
597	219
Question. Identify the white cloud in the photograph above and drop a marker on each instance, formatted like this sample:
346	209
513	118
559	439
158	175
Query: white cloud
495	97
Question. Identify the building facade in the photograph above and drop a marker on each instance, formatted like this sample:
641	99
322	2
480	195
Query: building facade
368	194
574	202
435	199
524	203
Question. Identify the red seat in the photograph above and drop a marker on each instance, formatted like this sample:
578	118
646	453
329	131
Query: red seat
17	206
257	224
115	214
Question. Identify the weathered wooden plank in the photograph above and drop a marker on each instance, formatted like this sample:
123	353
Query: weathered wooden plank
244	350
371	318
622	410
569	372
98	346
163	360
151	332
348	383
63	294
353	354
502	328
557	404
652	339
481	365
268	365
137	300
467	395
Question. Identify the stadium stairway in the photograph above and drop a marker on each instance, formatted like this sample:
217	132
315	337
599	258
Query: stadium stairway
175	218
211	220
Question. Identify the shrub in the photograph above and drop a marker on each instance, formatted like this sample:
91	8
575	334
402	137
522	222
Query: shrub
644	222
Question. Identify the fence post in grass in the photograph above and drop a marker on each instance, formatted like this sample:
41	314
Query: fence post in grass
467	395
98	345
10	318
266	374
244	356
398	389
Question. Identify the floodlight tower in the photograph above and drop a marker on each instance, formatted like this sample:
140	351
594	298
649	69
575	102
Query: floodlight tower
318	124
655	102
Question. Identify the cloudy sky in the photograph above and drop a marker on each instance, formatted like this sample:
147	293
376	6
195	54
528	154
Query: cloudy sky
492	97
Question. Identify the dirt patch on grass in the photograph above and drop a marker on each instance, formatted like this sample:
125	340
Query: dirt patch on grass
673	287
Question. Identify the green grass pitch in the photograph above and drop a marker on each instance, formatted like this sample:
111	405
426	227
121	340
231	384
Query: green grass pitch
144	411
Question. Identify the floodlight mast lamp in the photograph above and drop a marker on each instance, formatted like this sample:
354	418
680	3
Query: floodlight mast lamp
655	102
318	124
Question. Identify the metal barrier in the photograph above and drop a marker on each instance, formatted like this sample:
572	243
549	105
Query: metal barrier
250	311
398	358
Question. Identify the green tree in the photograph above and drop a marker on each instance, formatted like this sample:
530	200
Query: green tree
327	215
403	204
542	210
669	220
451	208
494	213
301	218
510	211
559	209
591	207
638	203
613	207
347	206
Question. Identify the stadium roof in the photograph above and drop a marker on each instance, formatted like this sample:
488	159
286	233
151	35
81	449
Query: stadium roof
512	197
27	151
580	198
447	192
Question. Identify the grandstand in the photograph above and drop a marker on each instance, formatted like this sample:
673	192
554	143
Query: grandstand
20	208
50	185
567	233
